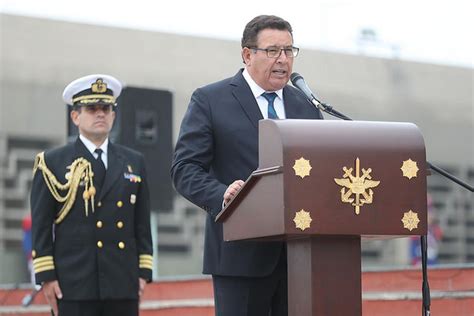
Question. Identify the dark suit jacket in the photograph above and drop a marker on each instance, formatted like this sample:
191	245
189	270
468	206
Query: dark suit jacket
84	270
218	144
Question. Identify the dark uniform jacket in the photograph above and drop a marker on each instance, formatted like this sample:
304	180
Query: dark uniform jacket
218	144
101	255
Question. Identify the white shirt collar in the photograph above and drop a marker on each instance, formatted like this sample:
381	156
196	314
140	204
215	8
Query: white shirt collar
92	147
256	89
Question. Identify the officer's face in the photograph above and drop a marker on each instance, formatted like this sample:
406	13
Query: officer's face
94	121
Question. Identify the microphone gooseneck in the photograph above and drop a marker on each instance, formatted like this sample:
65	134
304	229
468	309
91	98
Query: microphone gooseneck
298	81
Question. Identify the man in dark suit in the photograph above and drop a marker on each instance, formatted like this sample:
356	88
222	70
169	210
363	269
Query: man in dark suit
92	248
218	148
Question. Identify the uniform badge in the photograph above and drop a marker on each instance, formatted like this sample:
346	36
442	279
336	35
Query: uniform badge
99	86
132	177
133	199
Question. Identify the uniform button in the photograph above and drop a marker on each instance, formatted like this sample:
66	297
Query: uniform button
99	204
119	203
121	245
99	244
119	224
99	224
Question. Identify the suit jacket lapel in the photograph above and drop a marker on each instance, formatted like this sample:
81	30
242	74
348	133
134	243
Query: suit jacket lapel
80	150
246	99
115	165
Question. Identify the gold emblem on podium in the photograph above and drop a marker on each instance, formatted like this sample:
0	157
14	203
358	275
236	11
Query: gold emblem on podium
410	220
409	169
357	185
302	220
302	167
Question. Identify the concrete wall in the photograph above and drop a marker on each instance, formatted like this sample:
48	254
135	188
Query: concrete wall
39	57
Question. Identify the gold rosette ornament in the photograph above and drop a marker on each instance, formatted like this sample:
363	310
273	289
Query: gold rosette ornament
302	220
409	169
410	220
302	167
80	172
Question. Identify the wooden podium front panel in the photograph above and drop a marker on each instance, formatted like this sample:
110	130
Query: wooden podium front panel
329	146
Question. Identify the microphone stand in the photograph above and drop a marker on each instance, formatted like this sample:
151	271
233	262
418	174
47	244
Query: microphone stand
426	300
425	288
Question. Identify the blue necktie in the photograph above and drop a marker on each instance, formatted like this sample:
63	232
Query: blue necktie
271	109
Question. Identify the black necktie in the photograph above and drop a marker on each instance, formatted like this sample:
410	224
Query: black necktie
271	109
99	169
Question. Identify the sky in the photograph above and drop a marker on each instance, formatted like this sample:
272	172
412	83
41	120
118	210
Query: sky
430	31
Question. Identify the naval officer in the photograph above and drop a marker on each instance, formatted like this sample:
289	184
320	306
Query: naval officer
92	248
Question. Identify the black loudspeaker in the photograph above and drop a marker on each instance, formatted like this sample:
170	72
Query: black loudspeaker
143	122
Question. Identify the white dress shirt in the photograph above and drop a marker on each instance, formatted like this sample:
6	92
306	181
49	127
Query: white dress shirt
261	101
92	147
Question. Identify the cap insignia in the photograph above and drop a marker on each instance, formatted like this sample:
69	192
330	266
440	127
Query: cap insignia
99	86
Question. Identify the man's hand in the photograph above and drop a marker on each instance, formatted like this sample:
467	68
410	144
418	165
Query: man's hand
232	190
141	286
52	292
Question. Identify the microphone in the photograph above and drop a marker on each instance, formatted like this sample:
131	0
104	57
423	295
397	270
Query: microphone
298	81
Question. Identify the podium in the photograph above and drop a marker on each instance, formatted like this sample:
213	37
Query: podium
321	186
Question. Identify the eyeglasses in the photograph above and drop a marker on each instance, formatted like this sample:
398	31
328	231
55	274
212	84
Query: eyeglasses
275	52
106	108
